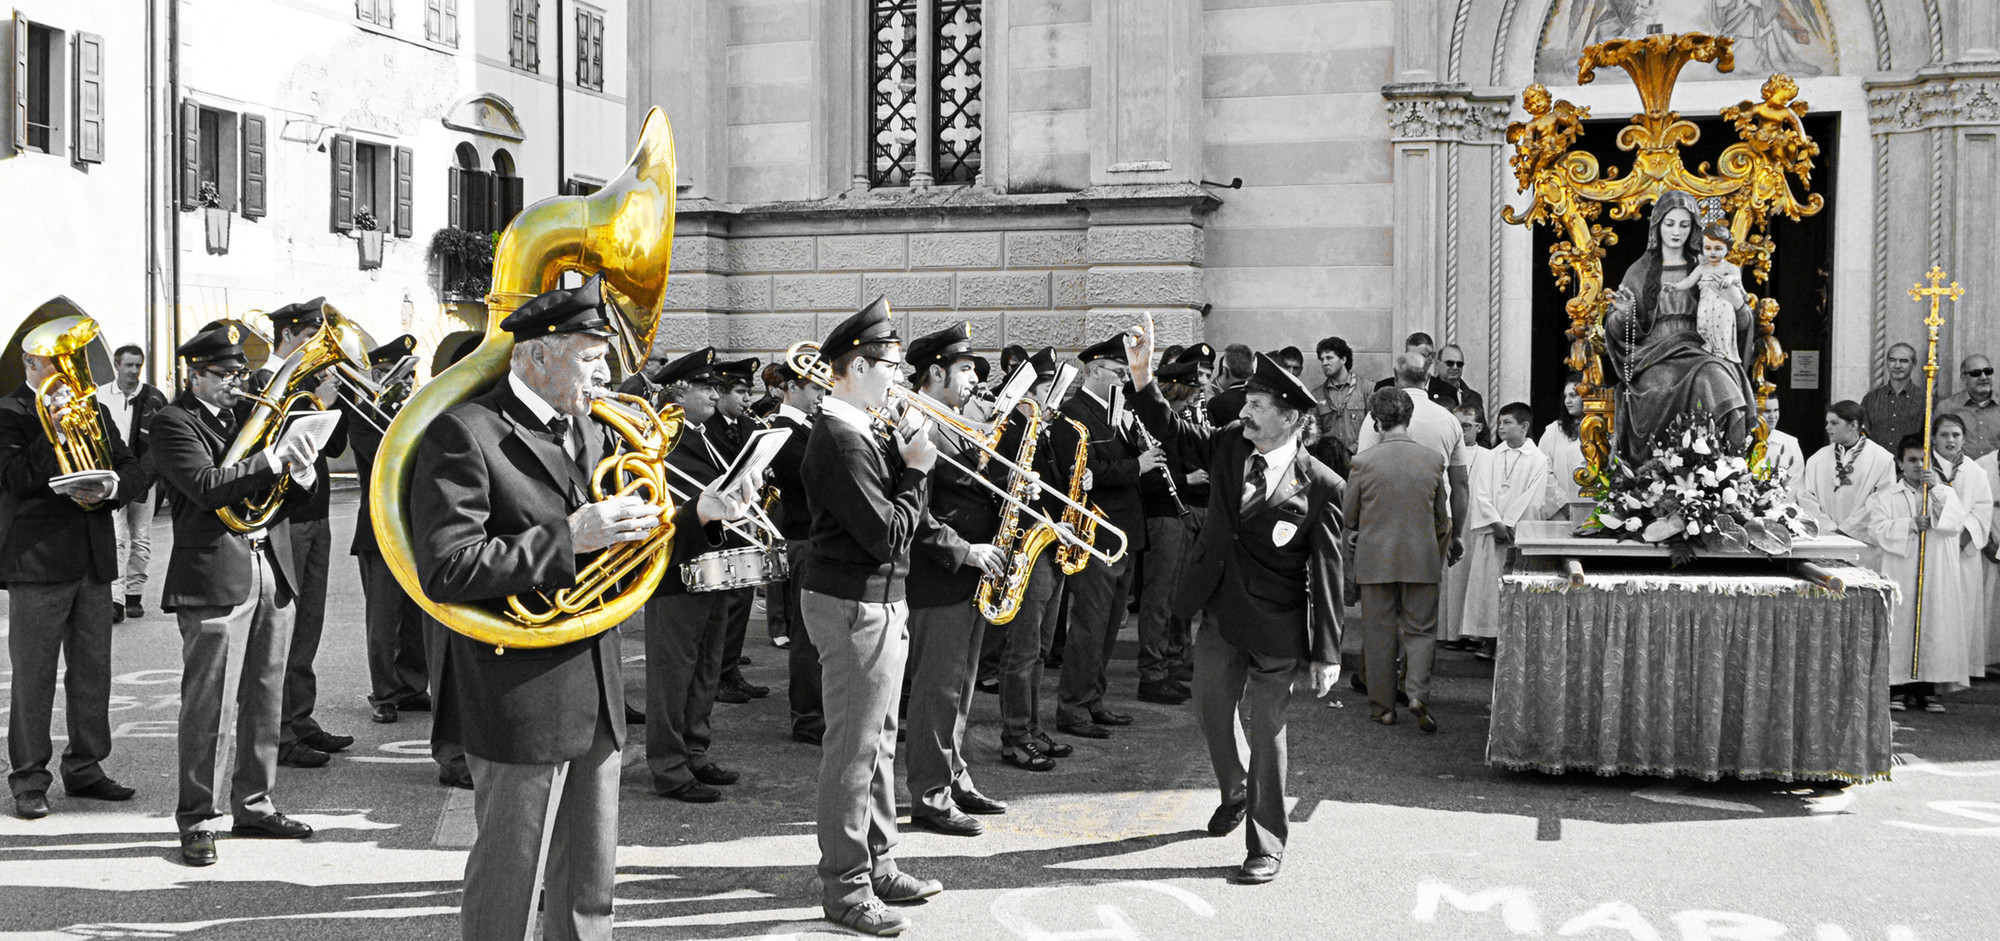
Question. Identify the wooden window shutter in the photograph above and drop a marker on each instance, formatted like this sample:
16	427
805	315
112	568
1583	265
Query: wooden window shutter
190	155
597	53
475	208
449	35
534	54
455	211
89	98
514	191
434	20
406	160
343	183
20	122
254	174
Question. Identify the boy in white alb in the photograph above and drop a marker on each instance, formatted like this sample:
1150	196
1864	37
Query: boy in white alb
1975	490
1841	477
1893	520
1510	483
1451	594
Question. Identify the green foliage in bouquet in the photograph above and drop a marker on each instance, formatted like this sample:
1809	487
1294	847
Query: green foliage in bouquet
1698	493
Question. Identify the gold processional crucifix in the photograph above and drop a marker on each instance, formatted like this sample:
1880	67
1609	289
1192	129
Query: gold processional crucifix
1933	322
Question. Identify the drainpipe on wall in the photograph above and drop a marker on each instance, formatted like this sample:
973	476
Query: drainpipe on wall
562	175
173	217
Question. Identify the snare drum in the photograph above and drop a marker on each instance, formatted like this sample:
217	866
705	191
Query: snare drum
735	568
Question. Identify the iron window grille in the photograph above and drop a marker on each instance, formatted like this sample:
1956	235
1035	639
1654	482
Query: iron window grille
925	84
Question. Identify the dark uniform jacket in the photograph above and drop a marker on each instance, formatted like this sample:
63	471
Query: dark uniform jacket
1271	576
146	403
210	564
868	510
1114	466
49	538
703	461
794	519
1226	406
366	442
490	502
317	504
964	506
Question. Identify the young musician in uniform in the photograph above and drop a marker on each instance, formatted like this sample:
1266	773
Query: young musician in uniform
58	561
869	503
728	429
1267	571
397	671
501	506
945	626
798	411
233	594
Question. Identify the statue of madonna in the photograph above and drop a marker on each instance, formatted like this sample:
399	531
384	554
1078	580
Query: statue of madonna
1664	368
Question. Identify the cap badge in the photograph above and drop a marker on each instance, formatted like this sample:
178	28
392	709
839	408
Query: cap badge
234	337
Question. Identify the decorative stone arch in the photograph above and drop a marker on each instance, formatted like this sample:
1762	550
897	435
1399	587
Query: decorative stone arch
487	115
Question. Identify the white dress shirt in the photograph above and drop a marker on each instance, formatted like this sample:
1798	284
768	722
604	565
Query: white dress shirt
1277	467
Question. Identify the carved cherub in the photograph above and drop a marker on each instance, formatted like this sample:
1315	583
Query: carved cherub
1775	126
1542	140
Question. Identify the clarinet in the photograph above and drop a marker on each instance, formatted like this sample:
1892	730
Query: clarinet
1173	493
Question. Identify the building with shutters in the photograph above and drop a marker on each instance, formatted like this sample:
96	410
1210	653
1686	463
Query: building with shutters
232	156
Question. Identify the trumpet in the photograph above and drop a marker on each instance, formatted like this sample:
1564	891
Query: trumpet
805	360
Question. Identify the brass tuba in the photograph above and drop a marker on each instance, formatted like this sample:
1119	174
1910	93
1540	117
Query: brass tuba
67	401
624	231
336	346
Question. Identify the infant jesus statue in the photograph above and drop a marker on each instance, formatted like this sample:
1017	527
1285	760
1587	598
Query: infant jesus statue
1721	286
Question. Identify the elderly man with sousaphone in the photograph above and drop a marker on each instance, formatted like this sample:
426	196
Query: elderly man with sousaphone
64	477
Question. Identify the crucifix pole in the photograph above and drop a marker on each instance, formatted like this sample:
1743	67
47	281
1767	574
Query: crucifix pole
1936	319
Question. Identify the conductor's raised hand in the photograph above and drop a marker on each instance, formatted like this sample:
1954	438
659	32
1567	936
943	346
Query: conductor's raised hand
1139	351
611	521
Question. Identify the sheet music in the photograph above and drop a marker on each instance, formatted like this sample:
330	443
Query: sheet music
750	463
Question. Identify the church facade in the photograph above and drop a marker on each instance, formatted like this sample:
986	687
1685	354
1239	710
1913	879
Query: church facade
1046	169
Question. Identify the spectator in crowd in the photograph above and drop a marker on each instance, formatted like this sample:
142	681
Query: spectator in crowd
1237	364
1415	343
1896	407
1841	477
1291	358
1975	404
1343	402
1781	449
132	403
1562	443
1398	511
1449	388
1893	520
1990	577
1451	597
1510	483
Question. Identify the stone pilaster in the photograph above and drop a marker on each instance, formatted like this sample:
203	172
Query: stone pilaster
1145	249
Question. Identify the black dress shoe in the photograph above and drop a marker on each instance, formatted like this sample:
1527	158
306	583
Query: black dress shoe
1027	757
1183	673
166	608
1161	692
742	661
714	774
1227	818
1257	870
198	848
808	736
753	690
327	741
384	713
135	607
273	827
417	702
952	822
461	781
31	805
990	684
301	755
973	802
1051	747
1425	720
103	789
1107	717
694	792
634	716
117	613
730	694
1083	730
1386	718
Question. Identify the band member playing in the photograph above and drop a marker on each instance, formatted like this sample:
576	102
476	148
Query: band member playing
500	506
798	410
945	625
233	594
397	674
869	504
132	403
1098	593
58	561
728	428
1267	569
301	742
1027	637
684	629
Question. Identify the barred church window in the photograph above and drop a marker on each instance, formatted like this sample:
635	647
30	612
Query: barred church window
924	91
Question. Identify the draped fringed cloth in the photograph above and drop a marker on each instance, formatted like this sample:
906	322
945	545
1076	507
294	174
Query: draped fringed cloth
1707	675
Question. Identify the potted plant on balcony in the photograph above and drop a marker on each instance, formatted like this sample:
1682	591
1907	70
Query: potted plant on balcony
217	218
368	234
465	262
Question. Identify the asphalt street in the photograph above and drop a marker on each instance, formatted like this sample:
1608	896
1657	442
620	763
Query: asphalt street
1395	834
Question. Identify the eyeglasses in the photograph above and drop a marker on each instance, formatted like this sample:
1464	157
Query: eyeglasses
1979	373
1453	362
886	362
224	374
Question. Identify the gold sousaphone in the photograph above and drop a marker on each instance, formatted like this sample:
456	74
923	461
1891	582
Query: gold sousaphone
625	232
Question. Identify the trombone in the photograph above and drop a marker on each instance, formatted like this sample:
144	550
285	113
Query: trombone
804	359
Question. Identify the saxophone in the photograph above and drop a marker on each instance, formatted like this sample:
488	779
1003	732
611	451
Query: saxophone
1073	557
1000	596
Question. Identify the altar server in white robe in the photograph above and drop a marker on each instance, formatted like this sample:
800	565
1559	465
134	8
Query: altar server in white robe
1510	483
1562	444
1451	600
1975	490
1781	450
1842	476
1990	567
1892	521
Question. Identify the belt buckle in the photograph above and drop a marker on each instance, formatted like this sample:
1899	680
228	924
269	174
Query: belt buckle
257	540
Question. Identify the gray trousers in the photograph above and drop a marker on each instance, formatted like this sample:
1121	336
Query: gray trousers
944	663
73	620
534	819
1163	638
133	523
862	646
684	636
1027	638
232	687
396	660
1096	612
312	541
1247	749
1398	615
